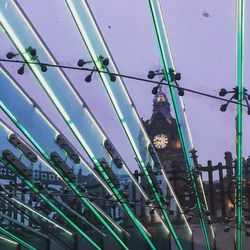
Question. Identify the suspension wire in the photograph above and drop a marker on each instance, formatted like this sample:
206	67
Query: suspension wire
124	76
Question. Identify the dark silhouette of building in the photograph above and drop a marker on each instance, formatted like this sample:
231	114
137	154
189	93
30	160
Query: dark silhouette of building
163	133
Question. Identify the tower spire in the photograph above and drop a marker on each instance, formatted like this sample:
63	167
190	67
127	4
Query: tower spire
161	106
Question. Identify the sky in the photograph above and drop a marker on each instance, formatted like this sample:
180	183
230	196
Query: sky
203	50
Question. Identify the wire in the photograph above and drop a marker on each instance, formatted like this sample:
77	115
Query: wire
124	76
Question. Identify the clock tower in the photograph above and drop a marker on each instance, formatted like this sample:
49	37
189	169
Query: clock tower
163	133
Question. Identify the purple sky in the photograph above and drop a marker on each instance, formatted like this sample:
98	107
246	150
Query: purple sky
203	49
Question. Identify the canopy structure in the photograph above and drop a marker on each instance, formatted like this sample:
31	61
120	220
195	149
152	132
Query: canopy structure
83	164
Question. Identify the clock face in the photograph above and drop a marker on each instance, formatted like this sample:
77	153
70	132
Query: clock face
160	141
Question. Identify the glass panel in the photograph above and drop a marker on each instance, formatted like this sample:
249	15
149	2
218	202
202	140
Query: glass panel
74	111
128	116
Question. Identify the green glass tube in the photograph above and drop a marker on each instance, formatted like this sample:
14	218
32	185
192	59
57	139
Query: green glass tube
240	8
181	117
120	99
